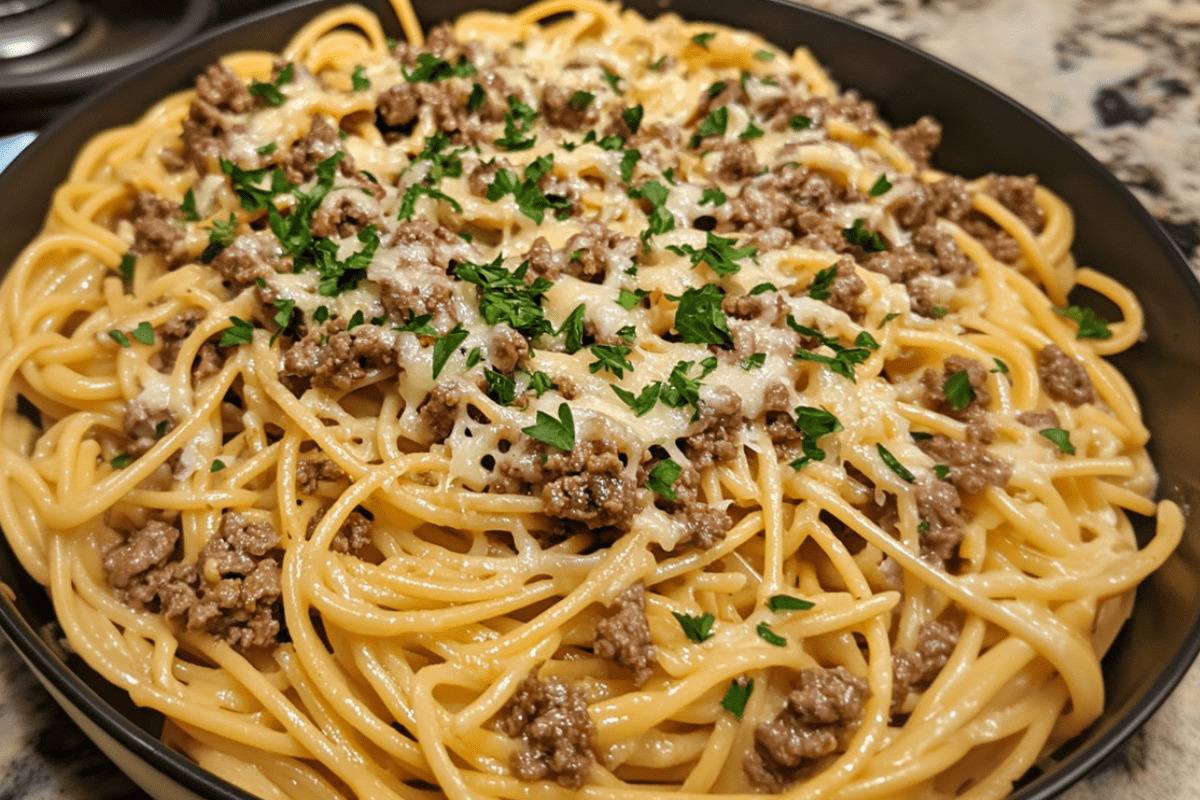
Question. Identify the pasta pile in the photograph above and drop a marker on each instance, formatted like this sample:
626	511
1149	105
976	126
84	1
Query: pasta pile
566	402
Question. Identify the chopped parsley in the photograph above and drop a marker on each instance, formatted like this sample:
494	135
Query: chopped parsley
627	333
580	100
942	471
822	283
881	186
703	39
1061	438
573	328
559	433
217	465
270	91
144	333
737	695
612	79
800	122
717	88
356	319
663	477
713	125
445	346
125	268
540	383
417	324
501	388
769	636
633	117
1000	367
529	197
868	240
813	423
242	332
714	196
504	296
517	122
119	337
958	391
754	362
752	132
408	203
764	55
763	288
699	318
891	316
865	339
121	461
188	207
893	464
698	629
477	98
359	79
629	160
660	219
474	357
627	300
719	254
611	357
785	602
1090	326
842	361
431	69
641	403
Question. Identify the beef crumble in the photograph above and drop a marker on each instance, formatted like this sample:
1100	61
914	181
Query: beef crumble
154	228
550	716
915	670
1064	378
624	637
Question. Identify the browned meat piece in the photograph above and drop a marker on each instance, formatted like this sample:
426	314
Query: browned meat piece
154	228
1064	378
846	287
972	467
351	537
947	198
319	144
934	382
242	607
705	525
931	241
919	140
818	719
443	101
939	505
713	437
780	425
346	212
508	349
208	361
252	255
1039	420
399	105
558	111
770	307
440	411
224	90
144	426
1017	195
601	251
788	204
424	243
311	472
738	162
587	485
625	636
544	262
343	360
550	715
434	297
916	670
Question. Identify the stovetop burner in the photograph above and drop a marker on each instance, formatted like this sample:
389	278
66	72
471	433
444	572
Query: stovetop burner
31	26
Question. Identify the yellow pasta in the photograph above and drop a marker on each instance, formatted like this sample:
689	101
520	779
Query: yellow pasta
571	402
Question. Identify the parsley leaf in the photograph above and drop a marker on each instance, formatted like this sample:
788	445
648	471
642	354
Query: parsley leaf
431	69
785	602
504	296
530	199
559	433
188	207
881	186
893	464
865	339
445	346
712	125
755	361
942	471
719	254
1001	367
612	79
737	695
958	391
627	333
125	268
663	477
408	203
843	360
517	121
217	465
540	383
119	337
627	300
868	240
763	288
270	91
633	117
1090	326
800	122
769	636
937	312
703	39
474	357
360	80
580	100
1061	438
242	332
418	325
699	318
752	132
629	160
764	55
822	282
611	357
477	97
573	327
698	629
660	219
891	316
714	196
500	387
144	333
641	403
813	423
121	461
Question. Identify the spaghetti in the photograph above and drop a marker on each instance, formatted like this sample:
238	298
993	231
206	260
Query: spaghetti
573	400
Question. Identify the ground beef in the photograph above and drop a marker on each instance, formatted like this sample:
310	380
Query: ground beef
483	175
223	89
780	424
624	637
320	144
443	102
343	360
1039	420
931	241
404	302
589	484
846	287
311	472
939	505
713	437
154	228
209	359
703	525
1017	195
972	468
784	206
241	608
601	251
440	410
947	198
559	113
919	140
425	243
818	719
544	262
351	537
252	256
916	670
145	425
769	307
399	105
508	348
738	162
550	715
847	108
950	199
1064	378
345	212
212	116
974	414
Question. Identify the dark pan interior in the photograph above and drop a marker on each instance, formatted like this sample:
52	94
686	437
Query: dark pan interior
984	132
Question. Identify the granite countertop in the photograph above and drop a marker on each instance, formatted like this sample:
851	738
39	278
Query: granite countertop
1120	76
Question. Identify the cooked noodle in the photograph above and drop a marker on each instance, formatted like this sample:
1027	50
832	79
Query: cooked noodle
807	483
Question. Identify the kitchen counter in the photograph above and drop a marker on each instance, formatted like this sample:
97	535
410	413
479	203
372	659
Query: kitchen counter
1120	76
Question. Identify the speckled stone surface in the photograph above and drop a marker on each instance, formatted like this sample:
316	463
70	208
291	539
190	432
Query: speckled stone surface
1120	76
